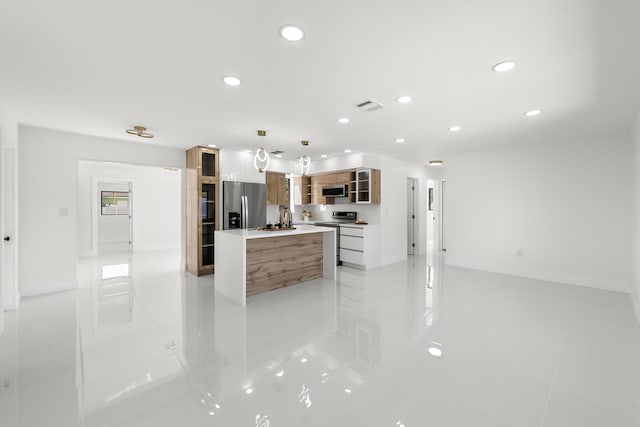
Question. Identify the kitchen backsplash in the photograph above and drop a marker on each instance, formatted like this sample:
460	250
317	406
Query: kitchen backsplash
323	212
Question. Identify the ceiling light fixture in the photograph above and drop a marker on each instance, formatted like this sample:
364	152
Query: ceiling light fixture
343	120
324	156
454	128
436	162
140	131
533	113
261	159
291	33
434	351
347	151
403	99
231	80
503	66
305	163
400	140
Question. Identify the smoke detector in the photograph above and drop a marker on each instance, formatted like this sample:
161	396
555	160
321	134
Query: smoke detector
370	106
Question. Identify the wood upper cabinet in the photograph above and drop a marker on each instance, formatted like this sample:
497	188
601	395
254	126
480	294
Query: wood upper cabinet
363	186
277	189
302	190
317	182
367	188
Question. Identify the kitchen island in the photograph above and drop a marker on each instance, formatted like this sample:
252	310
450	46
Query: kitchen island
249	262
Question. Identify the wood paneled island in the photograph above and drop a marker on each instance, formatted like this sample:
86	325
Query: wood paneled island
249	262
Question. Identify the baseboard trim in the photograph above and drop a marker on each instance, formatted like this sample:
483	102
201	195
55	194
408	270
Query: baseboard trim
603	284
393	259
33	291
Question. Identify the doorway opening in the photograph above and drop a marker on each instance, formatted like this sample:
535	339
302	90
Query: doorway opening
412	215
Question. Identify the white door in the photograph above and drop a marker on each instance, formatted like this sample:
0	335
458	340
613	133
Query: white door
443	216
114	216
412	184
8	225
432	241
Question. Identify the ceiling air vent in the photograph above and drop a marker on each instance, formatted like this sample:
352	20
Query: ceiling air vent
370	105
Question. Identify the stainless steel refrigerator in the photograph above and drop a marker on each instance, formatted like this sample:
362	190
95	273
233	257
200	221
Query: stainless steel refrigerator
244	205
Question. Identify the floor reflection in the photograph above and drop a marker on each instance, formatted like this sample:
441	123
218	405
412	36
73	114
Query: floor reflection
143	344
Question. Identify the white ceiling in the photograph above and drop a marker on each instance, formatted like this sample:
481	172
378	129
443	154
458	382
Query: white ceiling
100	67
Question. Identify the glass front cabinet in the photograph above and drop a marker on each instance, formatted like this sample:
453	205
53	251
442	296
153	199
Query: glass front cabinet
202	208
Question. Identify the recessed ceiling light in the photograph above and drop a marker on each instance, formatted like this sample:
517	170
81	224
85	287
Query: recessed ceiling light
503	66
248	151
212	413
435	162
231	80
347	151
400	140
291	33
435	351
279	374
248	390
533	113
347	390
212	146
343	120
454	128
279	156
304	360
324	156
403	99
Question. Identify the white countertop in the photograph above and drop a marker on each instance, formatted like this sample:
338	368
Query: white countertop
256	234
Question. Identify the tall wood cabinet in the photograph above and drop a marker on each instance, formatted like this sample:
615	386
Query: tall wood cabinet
202	208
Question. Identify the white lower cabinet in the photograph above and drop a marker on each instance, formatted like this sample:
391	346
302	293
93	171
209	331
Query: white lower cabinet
353	245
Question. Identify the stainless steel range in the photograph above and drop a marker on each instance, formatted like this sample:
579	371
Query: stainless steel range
337	218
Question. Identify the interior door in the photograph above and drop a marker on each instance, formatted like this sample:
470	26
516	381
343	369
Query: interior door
9	298
443	216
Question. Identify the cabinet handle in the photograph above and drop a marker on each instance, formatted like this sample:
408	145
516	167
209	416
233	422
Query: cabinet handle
7	238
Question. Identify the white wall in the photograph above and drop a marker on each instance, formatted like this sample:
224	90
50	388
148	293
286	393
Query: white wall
156	207
9	295
48	180
635	283
553	211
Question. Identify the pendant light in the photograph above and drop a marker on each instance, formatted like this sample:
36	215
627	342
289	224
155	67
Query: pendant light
305	161
261	160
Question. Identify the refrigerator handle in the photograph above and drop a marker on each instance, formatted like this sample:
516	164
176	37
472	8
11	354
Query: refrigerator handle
243	214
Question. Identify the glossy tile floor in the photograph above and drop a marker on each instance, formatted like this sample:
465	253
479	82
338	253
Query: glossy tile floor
413	344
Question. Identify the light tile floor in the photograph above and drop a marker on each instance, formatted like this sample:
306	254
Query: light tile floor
415	343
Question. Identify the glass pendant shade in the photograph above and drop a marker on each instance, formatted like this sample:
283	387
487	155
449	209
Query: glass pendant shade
305	163
261	160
